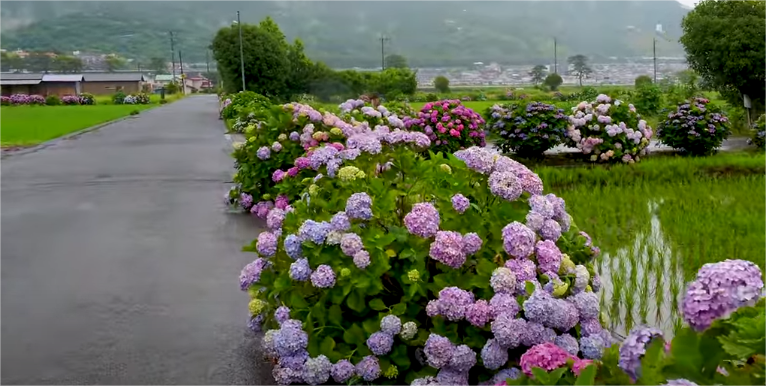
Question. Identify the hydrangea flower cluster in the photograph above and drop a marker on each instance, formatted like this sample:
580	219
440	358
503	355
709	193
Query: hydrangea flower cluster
758	138
23	99
608	130
695	127
70	100
527	130
449	125
634	347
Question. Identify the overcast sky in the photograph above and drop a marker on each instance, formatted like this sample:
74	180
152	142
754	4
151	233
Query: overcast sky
689	3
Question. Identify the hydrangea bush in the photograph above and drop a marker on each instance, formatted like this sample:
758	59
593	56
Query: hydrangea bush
24	99
608	130
70	100
758	138
696	127
243	102
528	130
449	125
404	268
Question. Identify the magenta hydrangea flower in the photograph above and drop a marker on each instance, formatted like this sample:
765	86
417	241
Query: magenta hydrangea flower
548	256
362	259
448	249
508	330
453	303
503	303
471	243
524	270
368	368
633	349
719	289
282	202
478	313
546	356
266	244
438	351
351	244
493	355
359	206
278	175
505	185
460	203
251	274
518	240
323	277
380	343
342	371
423	220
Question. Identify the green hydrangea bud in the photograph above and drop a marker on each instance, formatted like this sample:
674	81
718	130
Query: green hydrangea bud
588	288
413	275
445	168
345	272
266	197
560	288
567	266
251	139
360	174
318	135
282	137
336	131
256	306
313	190
409	330
391	372
250	128
349	173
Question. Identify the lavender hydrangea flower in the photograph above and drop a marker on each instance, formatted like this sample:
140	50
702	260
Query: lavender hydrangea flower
425	381
255	323
505	374
449	376
300	270
508	330
478	313
587	304
476	158
460	203
251	274
275	218
536	333
530	182
548	256
323	277
542	308
359	206
282	314
493	355
541	206
518	240
524	270
592	347
245	201
551	230
342	371
317	370
546	356
380	343
286	376
288	340
680	382
535	221
362	259
634	347
293	246
505	185
266	244
391	324
438	351
568	343
719	289
423	220
590	327
432	308
471	243
463	359
263	153
313	231
340	222
350	244
448	249
559	206
409	330
503	280
368	368
453	303
503	303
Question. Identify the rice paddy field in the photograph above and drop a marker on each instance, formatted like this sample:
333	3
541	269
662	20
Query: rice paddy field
658	222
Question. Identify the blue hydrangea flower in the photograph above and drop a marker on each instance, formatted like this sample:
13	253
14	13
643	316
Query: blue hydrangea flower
282	314
568	343
368	368
438	351
592	347
323	277
391	324
293	246
317	370
313	231
340	222
508	330
359	206
493	355
300	270
587	304
342	371
463	359
452	377
380	343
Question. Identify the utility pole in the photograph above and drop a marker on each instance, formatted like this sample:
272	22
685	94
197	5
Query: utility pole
654	51
183	78
555	57
383	40
207	61
241	53
173	56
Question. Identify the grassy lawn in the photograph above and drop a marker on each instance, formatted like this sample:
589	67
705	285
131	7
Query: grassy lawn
30	125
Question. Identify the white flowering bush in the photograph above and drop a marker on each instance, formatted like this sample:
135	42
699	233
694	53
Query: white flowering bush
608	130
401	268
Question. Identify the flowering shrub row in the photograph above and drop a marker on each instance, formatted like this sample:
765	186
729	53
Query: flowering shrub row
22	99
449	125
695	127
527	130
758	137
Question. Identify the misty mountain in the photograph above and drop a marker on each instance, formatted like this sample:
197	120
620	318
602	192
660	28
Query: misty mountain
347	34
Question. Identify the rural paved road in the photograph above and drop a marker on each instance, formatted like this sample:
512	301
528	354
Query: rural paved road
120	264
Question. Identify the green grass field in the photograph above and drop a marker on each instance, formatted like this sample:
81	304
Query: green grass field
30	125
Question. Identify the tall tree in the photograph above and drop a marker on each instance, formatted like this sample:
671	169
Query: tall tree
724	43
538	74
396	61
38	62
114	63
158	65
10	61
580	67
64	63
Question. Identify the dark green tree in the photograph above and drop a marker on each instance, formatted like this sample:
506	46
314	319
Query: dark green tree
642	80
393	81
38	62
63	63
580	67
9	61
553	81
158	65
537	74
114	63
724	42
441	83
396	61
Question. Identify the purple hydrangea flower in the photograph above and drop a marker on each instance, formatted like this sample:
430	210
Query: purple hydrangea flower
362	259
719	289
505	185
245	201
340	222
263	153
524	270
286	376
423	220
262	209
425	381
317	370
463	359
290	339
368	368
590	327
359	206
351	244
535	221
568	343
548	256
293	246
275	218
251	274
323	277
453	303
633	348
391	324
380	343
508	330
546	356
450	376
313	231
266	244
478	313
592	347
476	158
342	371
518	240
503	303
587	304
300	270
542	308
536	333
551	230
541	206
294	136
282	314
504	374
471	243
680	382
432	308
503	280
530	182
438	351
493	355
447	248
255	323
460	203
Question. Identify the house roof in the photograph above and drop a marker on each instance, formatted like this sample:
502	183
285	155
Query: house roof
62	78
114	77
21	76
19	82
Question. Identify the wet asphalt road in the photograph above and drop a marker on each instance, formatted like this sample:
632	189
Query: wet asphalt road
119	262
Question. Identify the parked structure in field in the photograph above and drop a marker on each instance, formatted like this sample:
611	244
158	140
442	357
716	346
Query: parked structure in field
100	83
71	84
